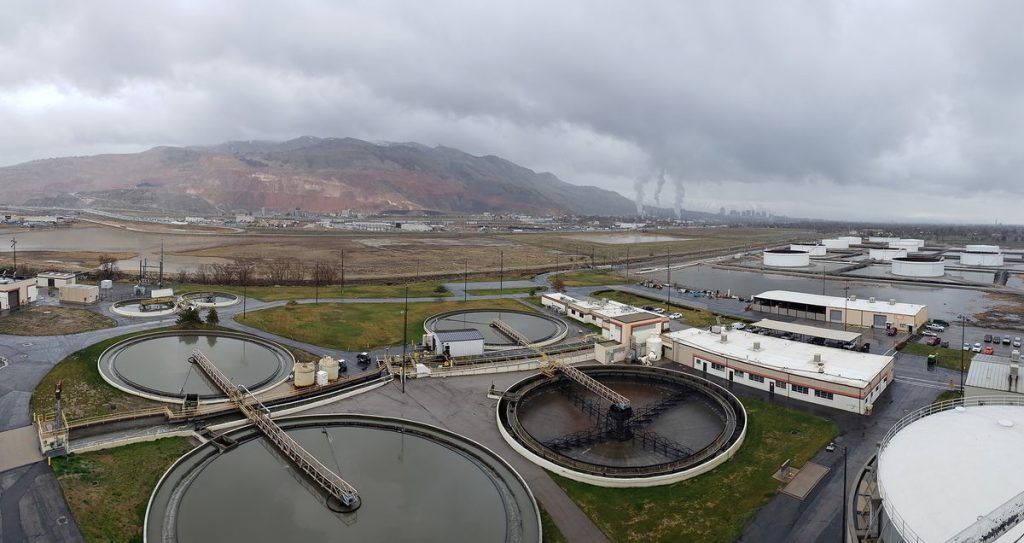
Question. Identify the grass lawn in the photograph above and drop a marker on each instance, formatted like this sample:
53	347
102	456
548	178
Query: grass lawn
712	507
51	320
948	358
698	318
506	290
551	532
590	278
948	395
108	490
427	289
356	327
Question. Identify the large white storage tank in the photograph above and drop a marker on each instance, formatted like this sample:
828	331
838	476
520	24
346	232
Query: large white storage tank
786	258
331	366
837	243
886	255
911	245
877	239
654	347
981	255
851	240
811	249
919	266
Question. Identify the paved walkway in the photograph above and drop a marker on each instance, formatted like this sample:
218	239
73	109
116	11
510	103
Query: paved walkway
19	447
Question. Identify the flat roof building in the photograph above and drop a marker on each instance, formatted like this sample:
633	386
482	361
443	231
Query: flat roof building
853	311
55	279
17	291
992	375
836	378
467	342
619	322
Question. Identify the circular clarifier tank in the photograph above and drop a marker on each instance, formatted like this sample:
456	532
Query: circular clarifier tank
676	427
210	299
415	482
156	365
540	329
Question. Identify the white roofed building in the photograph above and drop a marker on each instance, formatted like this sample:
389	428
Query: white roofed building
853	311
837	378
619	322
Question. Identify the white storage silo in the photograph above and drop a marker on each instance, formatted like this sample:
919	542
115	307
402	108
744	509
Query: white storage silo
331	366
304	373
981	255
321	378
654	348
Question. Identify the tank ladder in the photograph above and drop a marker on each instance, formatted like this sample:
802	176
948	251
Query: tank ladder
332	483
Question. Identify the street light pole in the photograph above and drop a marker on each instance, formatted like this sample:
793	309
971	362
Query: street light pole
465	282
843	509
846	304
963	339
405	334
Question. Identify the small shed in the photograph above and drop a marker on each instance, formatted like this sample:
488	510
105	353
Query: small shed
468	342
55	279
79	294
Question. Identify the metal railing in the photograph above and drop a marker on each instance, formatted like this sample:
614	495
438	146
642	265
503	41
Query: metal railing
898	522
260	416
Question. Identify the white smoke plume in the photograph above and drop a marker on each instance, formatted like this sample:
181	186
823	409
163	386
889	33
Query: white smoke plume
638	186
661	185
677	202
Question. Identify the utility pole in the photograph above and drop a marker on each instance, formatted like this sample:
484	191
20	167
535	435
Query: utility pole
842	510
501	273
627	263
405	334
963	339
160	279
342	273
668	278
14	247
846	304
465	282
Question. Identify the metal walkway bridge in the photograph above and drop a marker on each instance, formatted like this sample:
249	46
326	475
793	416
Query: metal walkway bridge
332	483
571	372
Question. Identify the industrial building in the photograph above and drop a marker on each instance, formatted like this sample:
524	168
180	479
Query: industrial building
618	322
786	258
948	472
810	249
17	291
992	375
851	311
55	279
981	255
837	378
886	255
919	266
466	342
79	294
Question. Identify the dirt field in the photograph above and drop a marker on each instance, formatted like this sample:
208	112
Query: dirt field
46	320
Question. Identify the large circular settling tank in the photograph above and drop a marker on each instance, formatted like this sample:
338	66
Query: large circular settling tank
156	365
416	483
540	329
210	299
678	425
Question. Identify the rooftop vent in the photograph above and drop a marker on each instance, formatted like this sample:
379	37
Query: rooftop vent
871	300
853	297
817	358
892	301
1015	355
725	338
757	345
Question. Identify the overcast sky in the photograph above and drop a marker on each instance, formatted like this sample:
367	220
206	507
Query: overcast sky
889	110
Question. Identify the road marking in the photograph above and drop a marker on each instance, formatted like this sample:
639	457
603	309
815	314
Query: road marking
923	383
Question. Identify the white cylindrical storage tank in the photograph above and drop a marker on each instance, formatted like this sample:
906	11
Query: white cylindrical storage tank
304	373
786	258
329	365
835	243
886	254
321	378
851	240
911	245
919	266
981	258
811	249
106	284
654	347
878	239
983	248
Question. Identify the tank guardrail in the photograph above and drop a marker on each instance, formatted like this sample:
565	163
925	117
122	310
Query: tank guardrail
571	372
258	413
895	518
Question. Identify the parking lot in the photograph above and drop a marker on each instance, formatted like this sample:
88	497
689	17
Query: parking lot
956	336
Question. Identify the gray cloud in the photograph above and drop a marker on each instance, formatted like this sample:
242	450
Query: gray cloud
826	109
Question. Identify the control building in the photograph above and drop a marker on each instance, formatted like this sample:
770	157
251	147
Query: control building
852	311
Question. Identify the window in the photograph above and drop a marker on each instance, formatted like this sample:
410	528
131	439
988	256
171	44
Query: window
756	378
823	394
800	389
717	367
780	385
738	374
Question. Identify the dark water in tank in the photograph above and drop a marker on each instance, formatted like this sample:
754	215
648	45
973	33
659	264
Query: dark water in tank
161	364
412	489
534	327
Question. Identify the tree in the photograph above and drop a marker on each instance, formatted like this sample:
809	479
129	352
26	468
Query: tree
189	317
558	284
108	266
441	289
212	317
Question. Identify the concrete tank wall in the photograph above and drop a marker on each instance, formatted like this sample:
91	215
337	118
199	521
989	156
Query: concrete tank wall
813	250
851	240
787	259
918	268
911	245
982	248
981	259
835	244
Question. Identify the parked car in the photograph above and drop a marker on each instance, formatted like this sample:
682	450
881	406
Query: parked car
941	322
932	341
675	316
865	347
988	338
967	346
363	359
659	310
740	326
976	348
1016	341
648	308
831	447
929	333
936	327
1006	340
988	350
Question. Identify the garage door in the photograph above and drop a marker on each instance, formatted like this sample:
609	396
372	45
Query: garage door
836	315
879	321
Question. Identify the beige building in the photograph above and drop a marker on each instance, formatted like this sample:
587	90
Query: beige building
618	322
852	311
16	292
55	279
79	294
